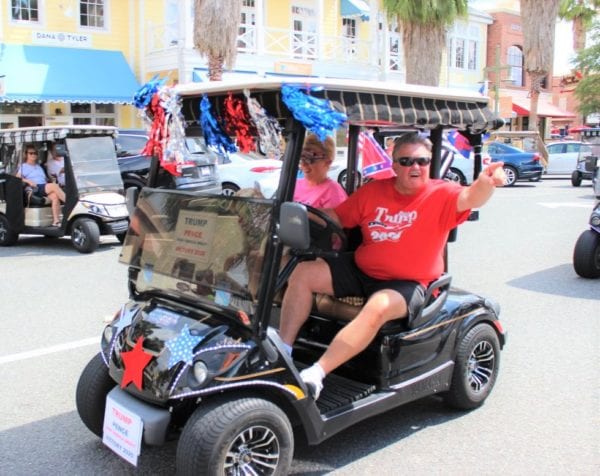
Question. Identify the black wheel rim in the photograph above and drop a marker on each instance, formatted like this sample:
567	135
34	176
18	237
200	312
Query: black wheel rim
255	450
482	362
78	236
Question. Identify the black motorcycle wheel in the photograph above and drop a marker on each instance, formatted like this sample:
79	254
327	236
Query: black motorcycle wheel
475	369
586	255
90	397
237	436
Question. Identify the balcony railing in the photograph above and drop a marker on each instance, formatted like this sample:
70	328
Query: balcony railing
280	43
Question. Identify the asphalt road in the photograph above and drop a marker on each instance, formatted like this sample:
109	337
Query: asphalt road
542	417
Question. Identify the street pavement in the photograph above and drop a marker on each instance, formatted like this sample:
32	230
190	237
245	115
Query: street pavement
541	418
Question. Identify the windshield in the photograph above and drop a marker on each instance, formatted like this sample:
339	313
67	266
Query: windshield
207	247
94	162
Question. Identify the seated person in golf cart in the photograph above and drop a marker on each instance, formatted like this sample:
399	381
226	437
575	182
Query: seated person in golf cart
34	178
407	217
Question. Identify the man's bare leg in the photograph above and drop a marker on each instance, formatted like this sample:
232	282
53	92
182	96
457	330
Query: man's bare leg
309	277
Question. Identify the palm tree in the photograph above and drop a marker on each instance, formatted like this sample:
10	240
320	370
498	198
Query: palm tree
424	34
581	13
538	18
216	24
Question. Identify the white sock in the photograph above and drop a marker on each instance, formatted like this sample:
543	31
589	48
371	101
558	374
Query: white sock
288	348
313	378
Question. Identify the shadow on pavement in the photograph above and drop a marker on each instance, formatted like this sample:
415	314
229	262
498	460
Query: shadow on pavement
559	280
29	245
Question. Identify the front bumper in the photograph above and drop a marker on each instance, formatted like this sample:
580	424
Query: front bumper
115	227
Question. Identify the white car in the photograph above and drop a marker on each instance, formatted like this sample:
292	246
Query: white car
563	156
237	171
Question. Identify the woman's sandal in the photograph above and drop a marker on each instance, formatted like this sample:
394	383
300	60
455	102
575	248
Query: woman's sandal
56	223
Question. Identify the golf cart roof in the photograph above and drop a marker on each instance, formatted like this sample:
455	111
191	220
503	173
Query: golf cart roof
366	103
21	135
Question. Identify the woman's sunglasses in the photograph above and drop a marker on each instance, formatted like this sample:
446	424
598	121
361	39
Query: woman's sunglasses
309	157
409	161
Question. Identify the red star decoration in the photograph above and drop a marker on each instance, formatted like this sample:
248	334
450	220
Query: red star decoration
135	362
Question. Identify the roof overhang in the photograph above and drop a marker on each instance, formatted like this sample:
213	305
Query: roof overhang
522	106
72	75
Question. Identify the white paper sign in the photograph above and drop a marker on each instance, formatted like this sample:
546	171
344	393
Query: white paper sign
122	431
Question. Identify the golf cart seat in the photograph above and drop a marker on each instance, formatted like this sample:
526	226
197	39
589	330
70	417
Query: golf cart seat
346	309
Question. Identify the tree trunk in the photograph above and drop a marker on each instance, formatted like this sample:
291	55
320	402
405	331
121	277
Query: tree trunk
578	34
534	96
215	68
418	38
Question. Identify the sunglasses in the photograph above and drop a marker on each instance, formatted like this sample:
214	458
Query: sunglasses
32	153
309	157
409	161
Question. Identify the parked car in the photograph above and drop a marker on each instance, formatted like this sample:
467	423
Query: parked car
199	173
527	141
586	255
237	171
195	353
518	165
563	157
95	202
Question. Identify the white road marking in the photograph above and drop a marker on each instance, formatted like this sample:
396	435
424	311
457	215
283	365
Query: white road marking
49	350
566	204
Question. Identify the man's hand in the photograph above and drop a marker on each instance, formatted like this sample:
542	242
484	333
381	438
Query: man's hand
494	174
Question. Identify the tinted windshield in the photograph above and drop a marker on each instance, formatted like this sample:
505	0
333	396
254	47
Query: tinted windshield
94	162
208	247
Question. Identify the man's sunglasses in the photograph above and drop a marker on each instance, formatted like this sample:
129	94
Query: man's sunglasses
409	161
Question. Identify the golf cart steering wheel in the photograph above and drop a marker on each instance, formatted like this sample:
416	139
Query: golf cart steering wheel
323	236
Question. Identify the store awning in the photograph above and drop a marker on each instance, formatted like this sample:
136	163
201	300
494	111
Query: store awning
522	106
355	8
54	74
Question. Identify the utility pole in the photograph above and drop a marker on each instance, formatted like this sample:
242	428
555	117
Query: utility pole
496	70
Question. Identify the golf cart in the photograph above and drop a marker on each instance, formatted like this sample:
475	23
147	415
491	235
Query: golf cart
95	203
195	353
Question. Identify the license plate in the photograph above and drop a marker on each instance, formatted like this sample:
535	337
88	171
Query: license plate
205	171
122	431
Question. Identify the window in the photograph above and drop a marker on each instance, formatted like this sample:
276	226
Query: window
91	13
247	30
463	47
24	10
349	27
459	53
98	114
515	61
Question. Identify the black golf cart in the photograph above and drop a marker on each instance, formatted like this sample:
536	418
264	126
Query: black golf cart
95	202
195	353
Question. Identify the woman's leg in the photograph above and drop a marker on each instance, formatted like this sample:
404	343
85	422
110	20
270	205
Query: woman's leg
54	188
55	207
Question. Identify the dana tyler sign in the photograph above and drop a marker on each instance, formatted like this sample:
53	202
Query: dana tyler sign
61	38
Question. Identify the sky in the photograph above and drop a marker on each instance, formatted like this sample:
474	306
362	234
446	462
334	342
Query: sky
563	42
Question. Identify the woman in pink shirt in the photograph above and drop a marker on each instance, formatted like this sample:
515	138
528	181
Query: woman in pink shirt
316	188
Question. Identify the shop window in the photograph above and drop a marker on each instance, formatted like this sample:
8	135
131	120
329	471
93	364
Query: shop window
98	114
21	108
515	61
24	10
463	47
91	13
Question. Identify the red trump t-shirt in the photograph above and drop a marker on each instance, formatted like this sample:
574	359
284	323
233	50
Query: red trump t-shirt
403	235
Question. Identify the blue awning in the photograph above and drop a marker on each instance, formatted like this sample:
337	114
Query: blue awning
54	74
355	8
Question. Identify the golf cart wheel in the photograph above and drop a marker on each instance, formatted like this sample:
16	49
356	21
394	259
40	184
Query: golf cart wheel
475	369
511	175
586	256
237	436
576	178
8	236
85	235
343	178
229	189
90	396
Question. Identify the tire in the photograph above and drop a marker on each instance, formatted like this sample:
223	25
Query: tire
85	235
576	178
8	236
460	177
121	237
90	397
475	369
237	436
586	255
229	189
511	175
343	177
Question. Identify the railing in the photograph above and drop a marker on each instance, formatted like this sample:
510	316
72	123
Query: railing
280	43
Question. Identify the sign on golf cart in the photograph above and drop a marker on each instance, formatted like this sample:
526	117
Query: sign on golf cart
92	202
196	352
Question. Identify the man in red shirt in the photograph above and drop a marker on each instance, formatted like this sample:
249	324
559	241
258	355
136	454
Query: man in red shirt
404	222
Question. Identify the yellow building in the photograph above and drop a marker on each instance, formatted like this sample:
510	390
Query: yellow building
67	62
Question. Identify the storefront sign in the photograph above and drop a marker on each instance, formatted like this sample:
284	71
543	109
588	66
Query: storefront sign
61	38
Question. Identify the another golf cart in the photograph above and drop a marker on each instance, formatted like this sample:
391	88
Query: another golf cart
95	203
587	162
195	352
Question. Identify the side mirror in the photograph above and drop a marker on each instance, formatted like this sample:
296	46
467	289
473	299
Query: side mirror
294	226
131	197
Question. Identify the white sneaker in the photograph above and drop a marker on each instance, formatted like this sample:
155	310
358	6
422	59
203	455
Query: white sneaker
313	378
